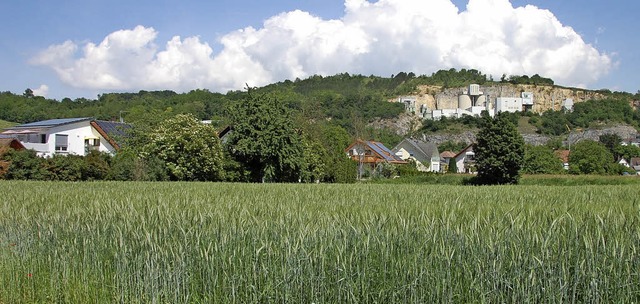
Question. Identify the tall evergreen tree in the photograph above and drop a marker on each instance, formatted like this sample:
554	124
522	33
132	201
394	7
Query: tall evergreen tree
499	151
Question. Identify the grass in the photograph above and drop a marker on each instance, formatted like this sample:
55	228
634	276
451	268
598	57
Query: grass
524	127
530	180
109	242
6	124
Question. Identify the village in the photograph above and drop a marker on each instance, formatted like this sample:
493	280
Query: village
81	136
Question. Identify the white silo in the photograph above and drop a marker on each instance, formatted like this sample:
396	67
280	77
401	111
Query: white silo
464	101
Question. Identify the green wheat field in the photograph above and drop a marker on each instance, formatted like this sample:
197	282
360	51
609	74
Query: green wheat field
128	242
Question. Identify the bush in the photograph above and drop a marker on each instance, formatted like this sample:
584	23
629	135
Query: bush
24	165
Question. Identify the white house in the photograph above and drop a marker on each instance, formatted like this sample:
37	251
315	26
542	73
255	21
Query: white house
424	154
465	160
76	136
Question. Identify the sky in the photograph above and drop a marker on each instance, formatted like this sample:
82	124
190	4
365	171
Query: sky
82	48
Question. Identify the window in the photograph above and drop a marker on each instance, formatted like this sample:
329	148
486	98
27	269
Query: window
62	143
91	144
43	138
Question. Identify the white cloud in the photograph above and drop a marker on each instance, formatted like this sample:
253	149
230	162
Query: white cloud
380	38
43	91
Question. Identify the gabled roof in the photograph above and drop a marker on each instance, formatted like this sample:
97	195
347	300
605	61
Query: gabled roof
426	150
447	154
464	150
11	143
634	161
379	149
111	130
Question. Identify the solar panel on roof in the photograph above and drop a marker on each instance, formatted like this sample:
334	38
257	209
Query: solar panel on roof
378	150
113	128
51	122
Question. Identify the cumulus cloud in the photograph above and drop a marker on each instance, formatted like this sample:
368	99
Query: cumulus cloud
381	38
43	91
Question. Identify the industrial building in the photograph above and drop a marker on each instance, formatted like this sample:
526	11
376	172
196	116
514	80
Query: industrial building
472	101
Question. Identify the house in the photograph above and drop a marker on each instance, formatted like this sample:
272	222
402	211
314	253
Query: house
623	162
76	136
372	153
7	142
465	160
634	163
424	154
445	158
564	157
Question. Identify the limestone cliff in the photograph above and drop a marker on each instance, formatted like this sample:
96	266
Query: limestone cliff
545	97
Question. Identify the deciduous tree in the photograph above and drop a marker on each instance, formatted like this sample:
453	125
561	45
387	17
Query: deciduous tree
190	149
589	157
499	151
541	160
265	140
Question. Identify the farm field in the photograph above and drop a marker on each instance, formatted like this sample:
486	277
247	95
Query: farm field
133	242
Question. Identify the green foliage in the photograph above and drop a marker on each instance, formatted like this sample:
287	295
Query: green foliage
364	243
24	165
604	111
264	139
65	168
589	157
627	151
541	160
190	149
339	168
587	114
98	166
6	124
315	155
452	146
554	143
127	165
385	170
409	169
553	123
499	151
448	124
453	166
524	79
611	142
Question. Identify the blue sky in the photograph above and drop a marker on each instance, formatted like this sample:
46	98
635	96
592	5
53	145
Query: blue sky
84	48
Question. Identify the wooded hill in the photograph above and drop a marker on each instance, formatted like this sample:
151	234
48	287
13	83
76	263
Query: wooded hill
348	101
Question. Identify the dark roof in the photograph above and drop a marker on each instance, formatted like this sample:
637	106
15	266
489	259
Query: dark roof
426	150
50	123
111	131
379	148
113	128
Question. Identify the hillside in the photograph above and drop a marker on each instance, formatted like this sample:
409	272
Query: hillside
359	104
6	124
546	97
